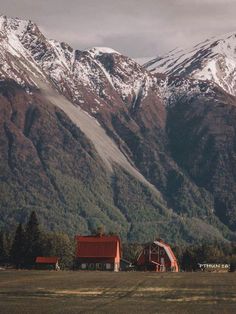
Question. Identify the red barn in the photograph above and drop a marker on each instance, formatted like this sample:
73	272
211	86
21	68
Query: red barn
98	252
43	262
157	256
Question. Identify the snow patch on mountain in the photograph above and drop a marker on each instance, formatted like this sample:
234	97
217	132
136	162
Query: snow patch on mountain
100	50
213	59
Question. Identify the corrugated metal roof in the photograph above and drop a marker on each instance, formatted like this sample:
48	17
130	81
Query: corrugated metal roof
97	246
46	260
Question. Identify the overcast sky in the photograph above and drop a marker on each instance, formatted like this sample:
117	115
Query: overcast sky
137	28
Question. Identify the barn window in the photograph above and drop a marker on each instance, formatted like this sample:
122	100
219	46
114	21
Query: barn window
98	266
83	266
108	266
91	266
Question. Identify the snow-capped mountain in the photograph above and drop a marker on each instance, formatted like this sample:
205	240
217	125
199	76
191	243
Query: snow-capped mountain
213	59
100	74
91	137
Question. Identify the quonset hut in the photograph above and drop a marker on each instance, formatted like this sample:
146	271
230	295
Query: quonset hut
157	256
98	252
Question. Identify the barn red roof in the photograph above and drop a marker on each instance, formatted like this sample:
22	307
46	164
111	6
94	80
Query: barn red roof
97	246
46	260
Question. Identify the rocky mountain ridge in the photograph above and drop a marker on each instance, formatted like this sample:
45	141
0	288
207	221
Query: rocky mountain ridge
213	60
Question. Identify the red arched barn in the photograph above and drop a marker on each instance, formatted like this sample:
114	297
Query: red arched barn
157	256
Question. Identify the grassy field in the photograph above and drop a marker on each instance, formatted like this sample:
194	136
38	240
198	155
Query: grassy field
132	292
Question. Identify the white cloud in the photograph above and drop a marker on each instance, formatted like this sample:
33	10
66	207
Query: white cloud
135	27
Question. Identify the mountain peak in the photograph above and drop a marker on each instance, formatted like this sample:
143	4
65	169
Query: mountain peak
213	59
18	26
95	51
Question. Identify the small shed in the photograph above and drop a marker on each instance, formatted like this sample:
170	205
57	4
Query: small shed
100	252
157	256
43	262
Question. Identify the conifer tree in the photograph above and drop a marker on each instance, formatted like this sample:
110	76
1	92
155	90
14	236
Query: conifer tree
18	247
33	239
3	249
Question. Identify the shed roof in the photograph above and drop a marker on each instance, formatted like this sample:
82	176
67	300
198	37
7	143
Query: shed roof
46	260
98	246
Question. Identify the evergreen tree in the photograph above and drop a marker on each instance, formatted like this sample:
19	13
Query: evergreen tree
4	248
33	239
189	259
18	247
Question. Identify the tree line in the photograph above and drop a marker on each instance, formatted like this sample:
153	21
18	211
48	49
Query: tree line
215	252
30	241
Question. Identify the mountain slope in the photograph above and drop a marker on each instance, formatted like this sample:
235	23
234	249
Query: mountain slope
199	91
52	61
202	135
84	142
213	59
48	165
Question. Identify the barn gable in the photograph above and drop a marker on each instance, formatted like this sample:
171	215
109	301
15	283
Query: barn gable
98	252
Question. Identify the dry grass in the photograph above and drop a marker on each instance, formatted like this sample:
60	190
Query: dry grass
99	292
